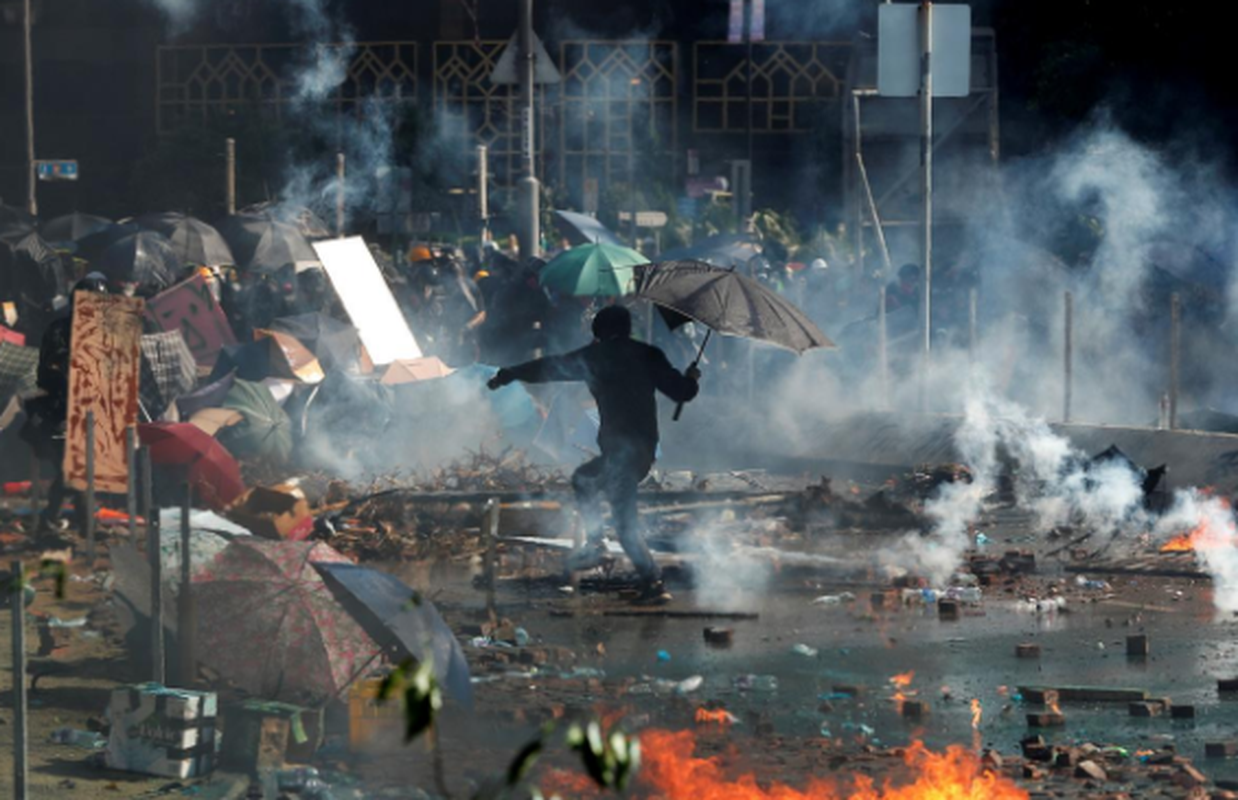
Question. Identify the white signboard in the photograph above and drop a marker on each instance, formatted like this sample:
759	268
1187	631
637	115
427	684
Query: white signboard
359	283
898	50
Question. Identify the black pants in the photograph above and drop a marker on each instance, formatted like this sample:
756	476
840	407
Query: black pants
614	475
59	491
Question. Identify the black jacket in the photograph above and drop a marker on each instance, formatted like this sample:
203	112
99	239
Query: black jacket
622	375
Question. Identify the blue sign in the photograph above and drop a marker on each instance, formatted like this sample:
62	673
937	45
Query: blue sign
57	170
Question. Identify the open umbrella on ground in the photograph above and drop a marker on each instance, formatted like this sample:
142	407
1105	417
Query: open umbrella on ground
727	302
268	622
14	222
209	396
266	431
270	355
583	229
209	467
336	343
18	370
31	268
168	370
399	619
194	241
721	250
73	227
262	244
145	258
92	246
593	270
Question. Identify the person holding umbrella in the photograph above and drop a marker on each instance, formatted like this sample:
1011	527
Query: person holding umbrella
623	375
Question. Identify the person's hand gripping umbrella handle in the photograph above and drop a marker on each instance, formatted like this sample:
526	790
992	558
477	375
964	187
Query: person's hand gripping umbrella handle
694	368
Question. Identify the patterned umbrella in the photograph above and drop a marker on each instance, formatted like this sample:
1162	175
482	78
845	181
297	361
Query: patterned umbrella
209	467
269	623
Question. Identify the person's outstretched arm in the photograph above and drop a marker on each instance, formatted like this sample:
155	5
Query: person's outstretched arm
678	386
567	367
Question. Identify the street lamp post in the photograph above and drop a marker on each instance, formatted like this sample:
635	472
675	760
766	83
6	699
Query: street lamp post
32	203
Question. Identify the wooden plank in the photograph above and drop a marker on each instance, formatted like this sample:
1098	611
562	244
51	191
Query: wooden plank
1090	694
665	613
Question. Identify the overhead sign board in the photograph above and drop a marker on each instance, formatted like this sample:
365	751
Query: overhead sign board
646	219
543	66
59	170
898	50
366	297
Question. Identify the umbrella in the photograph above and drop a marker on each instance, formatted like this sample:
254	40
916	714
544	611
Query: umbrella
210	396
727	302
302	218
721	250
168	370
398	619
92	246
595	270
29	266
584	229
18	368
14	222
262	244
211	470
270	355
194	241
268	622
145	258
408	370
73	227
335	343
266	429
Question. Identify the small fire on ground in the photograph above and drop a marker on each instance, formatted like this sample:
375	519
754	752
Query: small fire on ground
1206	535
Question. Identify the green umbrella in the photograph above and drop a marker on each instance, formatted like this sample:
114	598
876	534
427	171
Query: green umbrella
593	270
266	431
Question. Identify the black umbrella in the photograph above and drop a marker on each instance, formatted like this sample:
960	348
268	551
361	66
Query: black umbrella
194	241
397	618
73	227
302	218
14	222
733	250
584	229
336	343
727	302
92	246
145	258
262	244
29	267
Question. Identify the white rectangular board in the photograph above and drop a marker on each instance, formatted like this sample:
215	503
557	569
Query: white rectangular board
368	300
898	50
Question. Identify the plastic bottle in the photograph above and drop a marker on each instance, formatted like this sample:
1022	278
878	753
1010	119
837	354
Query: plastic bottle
76	738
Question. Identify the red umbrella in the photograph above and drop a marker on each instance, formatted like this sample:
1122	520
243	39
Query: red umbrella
268	622
212	470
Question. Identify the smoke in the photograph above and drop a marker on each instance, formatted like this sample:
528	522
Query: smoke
180	14
1211	519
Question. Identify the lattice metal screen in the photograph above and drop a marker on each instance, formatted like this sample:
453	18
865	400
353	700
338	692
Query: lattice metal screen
620	104
789	80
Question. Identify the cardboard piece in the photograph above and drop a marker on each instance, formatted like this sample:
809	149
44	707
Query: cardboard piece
274	512
415	369
104	376
190	308
212	420
159	731
261	731
291	359
368	300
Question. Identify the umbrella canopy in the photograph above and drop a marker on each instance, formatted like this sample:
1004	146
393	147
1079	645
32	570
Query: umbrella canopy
408	370
302	218
268	622
584	229
73	227
211	469
29	267
270	355
729	303
209	396
194	241
262	244
594	270
335	343
721	250
14	222
145	258
266	431
92	246
18	368
397	618
168	370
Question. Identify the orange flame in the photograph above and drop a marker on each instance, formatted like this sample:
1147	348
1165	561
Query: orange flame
1053	706
903	680
1204	536
976	712
705	716
670	771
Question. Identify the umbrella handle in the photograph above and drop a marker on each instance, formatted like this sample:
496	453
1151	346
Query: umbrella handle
699	354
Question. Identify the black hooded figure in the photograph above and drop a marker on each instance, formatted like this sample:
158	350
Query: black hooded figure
623	375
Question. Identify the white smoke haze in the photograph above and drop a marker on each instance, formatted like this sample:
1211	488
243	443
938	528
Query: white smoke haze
1193	510
180	14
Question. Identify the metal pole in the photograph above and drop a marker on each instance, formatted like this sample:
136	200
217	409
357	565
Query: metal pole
530	192
230	176
89	499
158	669
186	612
32	178
131	501
878	230
491	523
18	598
483	190
1068	356
36	485
1175	357
883	355
926	169
972	333
340	174
748	83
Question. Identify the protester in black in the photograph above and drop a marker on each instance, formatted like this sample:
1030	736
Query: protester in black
623	376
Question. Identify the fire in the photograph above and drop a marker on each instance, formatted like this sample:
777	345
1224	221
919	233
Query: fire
1205	535
976	713
903	680
705	716
670	771
1053	706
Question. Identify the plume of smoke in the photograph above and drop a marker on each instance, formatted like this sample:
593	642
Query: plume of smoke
180	14
1213	520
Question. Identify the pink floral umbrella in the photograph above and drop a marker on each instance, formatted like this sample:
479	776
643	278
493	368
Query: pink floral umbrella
268	623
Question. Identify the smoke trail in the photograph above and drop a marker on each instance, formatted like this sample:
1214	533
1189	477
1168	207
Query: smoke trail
1211	519
180	14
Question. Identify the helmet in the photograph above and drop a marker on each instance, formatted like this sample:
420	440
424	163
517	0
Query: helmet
818	264
419	252
93	282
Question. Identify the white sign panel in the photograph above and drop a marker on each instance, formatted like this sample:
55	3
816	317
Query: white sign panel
898	50
366	297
